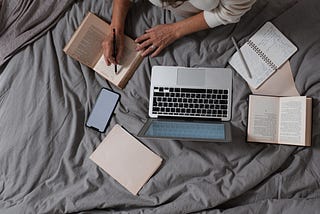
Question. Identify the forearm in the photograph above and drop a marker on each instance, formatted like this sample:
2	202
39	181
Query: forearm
157	38
119	13
190	25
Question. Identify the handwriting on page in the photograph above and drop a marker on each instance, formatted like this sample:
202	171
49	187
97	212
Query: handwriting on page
274	44
260	71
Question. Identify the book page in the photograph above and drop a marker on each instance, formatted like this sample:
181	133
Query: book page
309	122
86	43
129	58
86	47
292	120
263	119
126	159
273	44
259	70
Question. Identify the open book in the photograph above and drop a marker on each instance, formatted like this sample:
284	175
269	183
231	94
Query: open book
280	120
126	159
266	51
86	47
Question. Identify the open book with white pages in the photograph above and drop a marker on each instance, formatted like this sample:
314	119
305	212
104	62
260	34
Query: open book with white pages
280	120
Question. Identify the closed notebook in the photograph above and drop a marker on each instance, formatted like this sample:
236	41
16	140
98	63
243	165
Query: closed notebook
266	51
127	160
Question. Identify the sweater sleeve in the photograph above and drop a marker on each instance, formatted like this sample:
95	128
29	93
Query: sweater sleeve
228	11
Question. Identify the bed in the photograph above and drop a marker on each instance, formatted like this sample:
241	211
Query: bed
46	97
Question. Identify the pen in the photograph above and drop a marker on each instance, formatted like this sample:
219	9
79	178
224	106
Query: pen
241	56
115	50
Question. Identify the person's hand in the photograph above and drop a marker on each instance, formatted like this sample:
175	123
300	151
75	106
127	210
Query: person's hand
156	39
108	47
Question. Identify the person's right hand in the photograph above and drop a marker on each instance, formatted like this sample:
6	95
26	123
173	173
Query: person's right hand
108	47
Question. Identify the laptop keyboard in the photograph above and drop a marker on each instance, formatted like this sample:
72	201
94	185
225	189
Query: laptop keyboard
190	102
187	130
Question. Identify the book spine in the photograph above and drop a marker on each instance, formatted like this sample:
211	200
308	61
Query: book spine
262	55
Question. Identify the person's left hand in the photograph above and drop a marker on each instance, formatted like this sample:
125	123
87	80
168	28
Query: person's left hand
156	39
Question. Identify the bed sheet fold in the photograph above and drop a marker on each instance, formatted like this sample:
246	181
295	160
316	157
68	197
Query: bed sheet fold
46	97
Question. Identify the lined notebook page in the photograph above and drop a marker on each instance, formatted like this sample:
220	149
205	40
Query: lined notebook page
259	69
264	53
273	44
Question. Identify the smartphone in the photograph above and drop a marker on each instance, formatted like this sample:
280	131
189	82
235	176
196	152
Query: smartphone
102	110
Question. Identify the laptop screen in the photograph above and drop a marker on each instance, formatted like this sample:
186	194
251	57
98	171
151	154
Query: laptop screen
190	130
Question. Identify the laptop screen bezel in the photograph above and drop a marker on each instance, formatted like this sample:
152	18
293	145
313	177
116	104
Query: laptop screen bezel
227	128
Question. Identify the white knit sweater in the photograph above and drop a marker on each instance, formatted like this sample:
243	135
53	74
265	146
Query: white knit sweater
216	12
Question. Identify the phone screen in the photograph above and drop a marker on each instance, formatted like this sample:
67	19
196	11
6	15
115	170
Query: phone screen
102	110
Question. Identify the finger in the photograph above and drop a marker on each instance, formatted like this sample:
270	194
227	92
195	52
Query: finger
147	51
106	53
106	60
142	38
156	52
110	60
149	30
144	45
120	54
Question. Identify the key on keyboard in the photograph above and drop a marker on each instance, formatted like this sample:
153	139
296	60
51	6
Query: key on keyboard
190	102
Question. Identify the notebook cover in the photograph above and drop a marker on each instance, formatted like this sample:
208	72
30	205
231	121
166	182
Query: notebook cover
126	159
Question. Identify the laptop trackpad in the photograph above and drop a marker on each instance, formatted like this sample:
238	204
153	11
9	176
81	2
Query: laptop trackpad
191	77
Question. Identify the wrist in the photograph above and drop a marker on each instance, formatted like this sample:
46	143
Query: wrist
119	28
177	30
190	25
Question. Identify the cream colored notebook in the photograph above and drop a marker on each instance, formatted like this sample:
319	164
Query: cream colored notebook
126	159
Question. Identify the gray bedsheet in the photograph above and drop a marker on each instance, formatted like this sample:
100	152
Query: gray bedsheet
46	97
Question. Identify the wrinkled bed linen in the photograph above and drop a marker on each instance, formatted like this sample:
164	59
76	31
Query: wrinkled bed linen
46	97
24	21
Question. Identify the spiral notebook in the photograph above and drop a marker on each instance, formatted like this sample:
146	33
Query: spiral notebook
266	51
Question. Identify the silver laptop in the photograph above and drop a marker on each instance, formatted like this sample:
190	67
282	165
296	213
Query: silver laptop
189	103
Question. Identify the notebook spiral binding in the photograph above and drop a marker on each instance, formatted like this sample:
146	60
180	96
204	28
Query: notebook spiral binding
262	55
